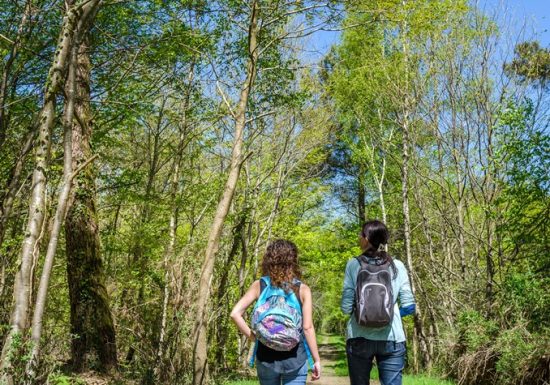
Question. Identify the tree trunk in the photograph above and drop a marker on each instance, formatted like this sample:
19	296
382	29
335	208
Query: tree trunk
14	182
361	210
406	145
200	350
30	250
418	324
7	70
65	185
91	319
221	330
173	226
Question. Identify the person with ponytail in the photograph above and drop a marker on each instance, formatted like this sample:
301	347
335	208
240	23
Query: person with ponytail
383	340
278	361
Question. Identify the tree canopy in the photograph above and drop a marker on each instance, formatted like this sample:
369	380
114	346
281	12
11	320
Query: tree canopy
150	150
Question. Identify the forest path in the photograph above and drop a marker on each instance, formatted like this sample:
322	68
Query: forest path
333	359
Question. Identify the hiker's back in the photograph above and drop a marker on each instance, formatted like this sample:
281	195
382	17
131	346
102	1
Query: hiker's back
373	284
399	285
282	321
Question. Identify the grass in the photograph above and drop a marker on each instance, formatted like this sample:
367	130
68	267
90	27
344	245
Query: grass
340	366
423	380
327	339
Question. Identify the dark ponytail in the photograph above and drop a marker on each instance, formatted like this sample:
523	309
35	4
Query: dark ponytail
378	235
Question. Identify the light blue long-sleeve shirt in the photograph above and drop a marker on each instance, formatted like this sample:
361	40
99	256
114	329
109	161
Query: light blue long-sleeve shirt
401	290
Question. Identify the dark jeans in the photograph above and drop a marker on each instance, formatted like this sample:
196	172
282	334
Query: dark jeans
390	359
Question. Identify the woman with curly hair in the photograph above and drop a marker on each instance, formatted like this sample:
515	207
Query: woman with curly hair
281	275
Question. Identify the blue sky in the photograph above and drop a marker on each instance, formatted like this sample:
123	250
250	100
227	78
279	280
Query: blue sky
533	14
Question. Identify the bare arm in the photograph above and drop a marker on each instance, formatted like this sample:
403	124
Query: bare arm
309	330
240	307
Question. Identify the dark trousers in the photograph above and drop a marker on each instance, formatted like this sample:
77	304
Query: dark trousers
390	359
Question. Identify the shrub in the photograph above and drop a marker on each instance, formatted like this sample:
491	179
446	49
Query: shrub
475	331
522	356
486	354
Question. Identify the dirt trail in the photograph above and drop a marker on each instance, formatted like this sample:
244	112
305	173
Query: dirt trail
330	354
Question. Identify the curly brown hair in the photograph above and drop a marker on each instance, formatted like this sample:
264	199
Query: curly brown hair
280	263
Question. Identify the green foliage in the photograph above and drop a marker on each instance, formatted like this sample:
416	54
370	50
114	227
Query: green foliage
531	64
62	379
525	201
19	356
509	355
322	152
515	347
325	252
475	331
525	299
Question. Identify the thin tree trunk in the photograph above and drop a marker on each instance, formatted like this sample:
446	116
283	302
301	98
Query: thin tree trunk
173	227
168	255
490	268
419	332
91	319
406	145
361	210
200	350
14	183
61	210
140	248
459	184
221	332
7	71
54	83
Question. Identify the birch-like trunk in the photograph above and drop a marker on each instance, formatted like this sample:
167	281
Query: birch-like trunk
61	210
200	350
30	248
406	146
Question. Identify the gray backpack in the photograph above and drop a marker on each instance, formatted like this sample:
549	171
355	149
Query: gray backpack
373	294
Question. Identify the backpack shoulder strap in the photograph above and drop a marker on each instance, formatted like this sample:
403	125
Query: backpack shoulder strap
380	267
264	282
363	265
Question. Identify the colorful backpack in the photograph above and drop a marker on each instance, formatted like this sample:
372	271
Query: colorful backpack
373	294
277	318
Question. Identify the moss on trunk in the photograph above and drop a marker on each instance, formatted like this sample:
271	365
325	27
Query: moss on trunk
92	328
